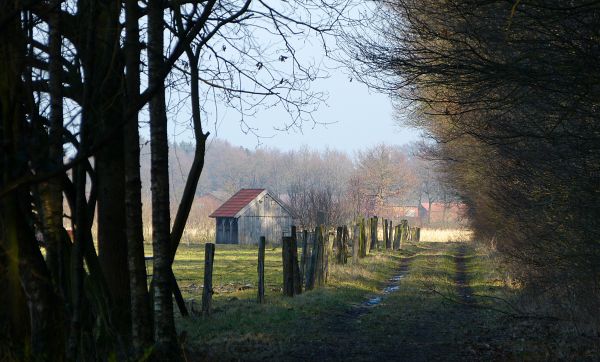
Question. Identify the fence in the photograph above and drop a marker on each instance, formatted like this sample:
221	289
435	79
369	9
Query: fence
318	249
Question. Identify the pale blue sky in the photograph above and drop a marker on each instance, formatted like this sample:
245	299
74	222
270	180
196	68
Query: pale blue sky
357	118
352	118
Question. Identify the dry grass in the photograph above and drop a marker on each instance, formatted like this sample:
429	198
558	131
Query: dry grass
446	235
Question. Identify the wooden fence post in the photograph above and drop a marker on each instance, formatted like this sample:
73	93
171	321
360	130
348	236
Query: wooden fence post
418	234
312	267
391	234
295	267
327	254
207	291
374	232
363	239
303	258
367	238
355	243
288	269
403	232
261	270
386	235
322	257
406	231
339	255
345	237
310	247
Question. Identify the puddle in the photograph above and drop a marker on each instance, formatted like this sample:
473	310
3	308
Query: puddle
373	301
390	289
392	286
397	278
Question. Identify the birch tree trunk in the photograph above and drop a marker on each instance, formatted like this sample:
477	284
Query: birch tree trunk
164	325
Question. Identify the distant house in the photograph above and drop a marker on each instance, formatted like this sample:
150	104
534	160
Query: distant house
250	214
413	212
208	202
446	213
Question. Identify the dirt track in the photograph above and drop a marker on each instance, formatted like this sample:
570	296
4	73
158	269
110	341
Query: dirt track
407	321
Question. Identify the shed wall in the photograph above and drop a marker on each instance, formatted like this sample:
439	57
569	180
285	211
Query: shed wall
264	217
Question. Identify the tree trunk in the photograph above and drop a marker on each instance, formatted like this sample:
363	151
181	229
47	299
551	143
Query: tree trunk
191	183
141	316
104	62
164	325
51	190
18	246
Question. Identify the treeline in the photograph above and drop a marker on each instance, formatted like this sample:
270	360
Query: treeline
341	185
509	92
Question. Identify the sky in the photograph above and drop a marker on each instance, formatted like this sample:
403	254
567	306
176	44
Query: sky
355	118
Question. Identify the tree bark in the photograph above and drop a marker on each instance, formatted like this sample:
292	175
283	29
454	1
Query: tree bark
25	264
104	61
51	191
164	325
189	191
141	316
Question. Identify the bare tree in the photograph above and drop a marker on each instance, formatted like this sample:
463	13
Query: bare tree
69	83
507	92
384	173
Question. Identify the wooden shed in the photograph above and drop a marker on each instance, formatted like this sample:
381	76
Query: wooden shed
250	214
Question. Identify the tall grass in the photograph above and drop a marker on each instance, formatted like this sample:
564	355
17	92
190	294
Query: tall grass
446	235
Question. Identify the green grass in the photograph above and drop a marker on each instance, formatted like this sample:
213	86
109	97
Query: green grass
424	320
238	324
234	268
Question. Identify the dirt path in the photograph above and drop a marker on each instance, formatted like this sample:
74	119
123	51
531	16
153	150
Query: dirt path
421	312
407	321
346	337
462	278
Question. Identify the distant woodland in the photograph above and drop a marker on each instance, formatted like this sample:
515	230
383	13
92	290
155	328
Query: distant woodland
344	186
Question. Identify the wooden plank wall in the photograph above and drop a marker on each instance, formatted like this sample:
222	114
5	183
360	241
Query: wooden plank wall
264	218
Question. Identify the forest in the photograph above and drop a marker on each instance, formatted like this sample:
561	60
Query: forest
505	93
342	185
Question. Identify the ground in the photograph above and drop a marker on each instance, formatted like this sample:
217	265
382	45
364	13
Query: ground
431	301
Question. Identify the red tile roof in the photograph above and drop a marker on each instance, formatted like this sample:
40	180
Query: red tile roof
237	202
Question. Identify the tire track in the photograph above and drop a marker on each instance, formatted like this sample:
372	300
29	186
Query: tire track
461	277
348	323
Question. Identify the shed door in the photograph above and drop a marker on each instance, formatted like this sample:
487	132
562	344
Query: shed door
234	232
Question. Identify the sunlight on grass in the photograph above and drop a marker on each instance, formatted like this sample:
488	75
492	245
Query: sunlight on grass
446	235
238	323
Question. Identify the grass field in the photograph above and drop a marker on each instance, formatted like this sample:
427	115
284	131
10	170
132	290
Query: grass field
235	274
235	266
446	235
426	318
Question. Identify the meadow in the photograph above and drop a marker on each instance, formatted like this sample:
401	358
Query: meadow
451	300
235	266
